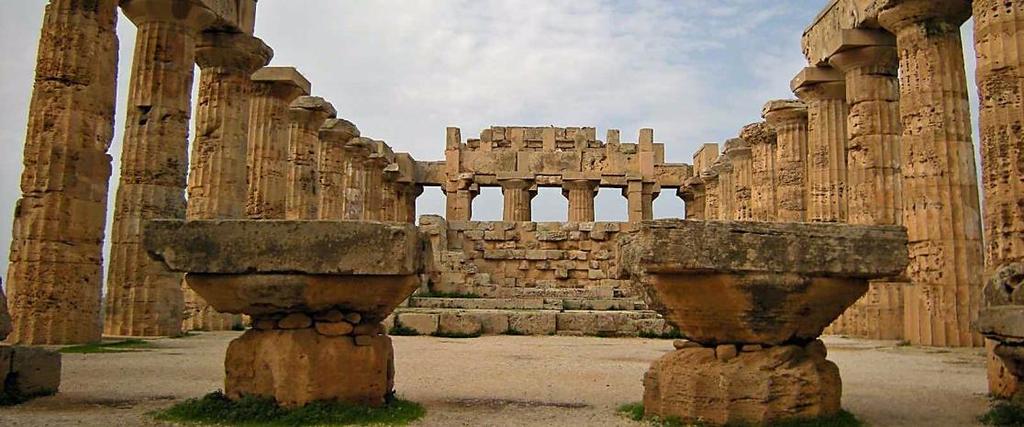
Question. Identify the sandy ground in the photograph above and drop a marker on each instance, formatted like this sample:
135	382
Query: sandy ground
511	381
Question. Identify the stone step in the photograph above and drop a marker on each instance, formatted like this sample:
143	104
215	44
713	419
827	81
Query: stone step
499	291
612	304
486	303
473	322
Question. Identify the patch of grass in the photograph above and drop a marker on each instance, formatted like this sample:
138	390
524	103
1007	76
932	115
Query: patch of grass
673	334
403	331
186	334
125	346
635	412
1003	414
456	335
217	409
433	294
903	343
238	327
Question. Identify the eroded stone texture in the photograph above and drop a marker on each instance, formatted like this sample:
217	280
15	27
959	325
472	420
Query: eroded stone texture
518	193
307	114
726	188
739	154
580	194
789	119
712	193
334	135
28	372
5	317
762	139
756	387
274	89
940	191
143	298
55	272
694	198
364	165
823	90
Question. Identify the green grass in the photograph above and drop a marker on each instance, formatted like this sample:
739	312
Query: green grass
125	346
673	334
1003	414
514	333
635	412
402	331
217	409
238	327
186	334
456	335
433	294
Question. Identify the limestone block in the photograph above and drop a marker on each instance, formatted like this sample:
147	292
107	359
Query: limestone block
493	322
539	323
301	366
459	324
422	323
29	371
757	388
583	322
334	329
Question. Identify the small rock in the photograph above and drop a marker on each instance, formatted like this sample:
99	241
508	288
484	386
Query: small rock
295	321
750	348
684	344
334	329
817	347
364	340
726	352
353	318
369	329
265	324
332	316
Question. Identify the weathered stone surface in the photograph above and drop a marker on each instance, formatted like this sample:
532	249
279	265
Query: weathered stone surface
306	115
789	119
540	323
55	292
295	321
274	89
763	141
758	387
335	329
423	324
459	324
5	318
302	366
241	247
29	371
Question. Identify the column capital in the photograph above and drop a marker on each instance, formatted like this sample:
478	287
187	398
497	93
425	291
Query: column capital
784	111
338	131
866	56
191	13
580	185
690	188
518	184
819	84
311	110
759	133
234	51
736	147
936	16
286	81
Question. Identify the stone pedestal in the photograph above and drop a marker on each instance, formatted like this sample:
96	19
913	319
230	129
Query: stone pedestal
332	163
823	90
307	114
581	199
789	119
275	88
752	317
518	194
940	190
56	269
143	298
317	332
762	139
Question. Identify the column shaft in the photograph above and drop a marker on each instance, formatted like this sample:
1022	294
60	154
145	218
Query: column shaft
711	194
332	164
518	195
581	200
789	119
762	139
459	201
827	113
55	274
275	88
739	155
640	200
693	197
306	115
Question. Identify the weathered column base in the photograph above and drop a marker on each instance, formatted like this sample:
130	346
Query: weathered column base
296	367
747	384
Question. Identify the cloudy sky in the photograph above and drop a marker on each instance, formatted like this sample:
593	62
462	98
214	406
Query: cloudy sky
694	70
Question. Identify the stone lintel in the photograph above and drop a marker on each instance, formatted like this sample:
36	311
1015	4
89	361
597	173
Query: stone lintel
816	250
284	247
811	76
283	76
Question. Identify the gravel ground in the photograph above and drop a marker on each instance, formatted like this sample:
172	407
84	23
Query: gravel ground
511	381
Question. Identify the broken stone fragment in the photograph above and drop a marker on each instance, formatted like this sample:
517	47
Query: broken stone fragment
295	321
334	329
726	353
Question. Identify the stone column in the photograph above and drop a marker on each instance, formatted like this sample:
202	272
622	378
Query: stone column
823	90
363	182
640	197
217	184
56	259
518	193
405	201
459	202
762	139
692	193
306	115
789	119
998	38
712	195
143	298
739	154
275	89
334	135
726	188
940	192
580	194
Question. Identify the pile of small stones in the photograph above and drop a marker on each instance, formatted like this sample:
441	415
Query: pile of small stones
727	352
330	323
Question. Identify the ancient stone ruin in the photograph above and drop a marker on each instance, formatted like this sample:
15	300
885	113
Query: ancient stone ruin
300	221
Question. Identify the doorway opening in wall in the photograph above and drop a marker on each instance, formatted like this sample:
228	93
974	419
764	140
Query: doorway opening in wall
610	206
550	206
431	202
489	204
669	206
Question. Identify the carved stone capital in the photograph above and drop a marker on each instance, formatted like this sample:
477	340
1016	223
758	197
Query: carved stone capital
233	51
190	13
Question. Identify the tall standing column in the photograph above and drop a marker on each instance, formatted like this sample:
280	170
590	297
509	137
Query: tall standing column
712	195
363	180
580	194
762	139
739	154
275	88
306	115
999	42
518	195
823	90
332	161
726	188
789	119
692	193
143	298
940	206
459	199
640	197
56	259
217	185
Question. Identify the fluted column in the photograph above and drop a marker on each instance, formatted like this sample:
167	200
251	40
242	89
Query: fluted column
726	188
823	90
789	119
762	139
940	191
459	196
332	161
739	154
692	193
580	194
55	274
363	181
306	115
712	195
640	197
405	201
999	42
143	298
275	88
518	195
